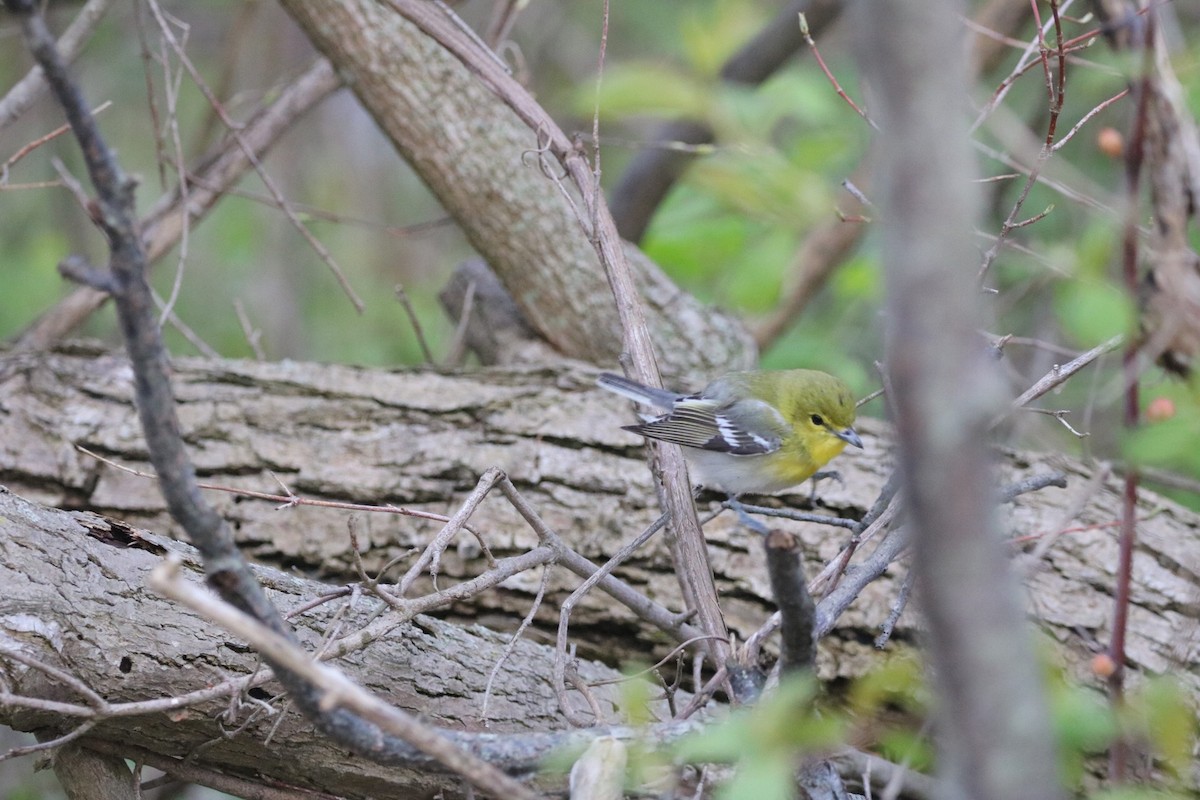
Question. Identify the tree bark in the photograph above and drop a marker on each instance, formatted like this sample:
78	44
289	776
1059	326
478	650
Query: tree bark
76	599
421	439
990	712
482	162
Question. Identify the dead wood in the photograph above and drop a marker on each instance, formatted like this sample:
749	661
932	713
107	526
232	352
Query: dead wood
510	197
76	599
421	439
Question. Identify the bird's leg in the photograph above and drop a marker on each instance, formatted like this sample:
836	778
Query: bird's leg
744	517
825	474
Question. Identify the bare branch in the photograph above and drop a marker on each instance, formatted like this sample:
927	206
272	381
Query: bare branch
991	712
335	689
30	88
163	224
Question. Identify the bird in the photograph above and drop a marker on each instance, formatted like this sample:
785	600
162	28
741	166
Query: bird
753	432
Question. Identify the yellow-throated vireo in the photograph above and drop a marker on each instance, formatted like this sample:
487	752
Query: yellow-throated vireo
756	432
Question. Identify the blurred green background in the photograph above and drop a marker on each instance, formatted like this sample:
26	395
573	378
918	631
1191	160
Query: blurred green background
728	232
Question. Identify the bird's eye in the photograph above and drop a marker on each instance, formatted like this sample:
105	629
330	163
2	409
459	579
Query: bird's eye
816	420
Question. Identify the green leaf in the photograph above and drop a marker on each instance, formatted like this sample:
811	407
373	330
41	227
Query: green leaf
725	741
1168	443
898	681
1094	311
752	282
1094	249
697	249
1085	725
645	88
762	777
1084	719
908	748
782	721
1138	793
858	279
1164	715
764	185
635	701
807	96
709	36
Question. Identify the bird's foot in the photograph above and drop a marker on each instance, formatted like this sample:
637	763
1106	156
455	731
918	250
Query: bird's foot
825	474
744	517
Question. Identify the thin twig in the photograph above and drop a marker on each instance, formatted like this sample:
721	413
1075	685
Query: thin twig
692	567
457	350
1060	414
171	88
674	625
568	606
219	172
253	335
235	131
97	704
837	87
1087	117
338	691
422	342
798	516
1134	156
898	605
285	500
1059	374
184	770
433	551
41	140
50	744
511	647
26	91
1057	97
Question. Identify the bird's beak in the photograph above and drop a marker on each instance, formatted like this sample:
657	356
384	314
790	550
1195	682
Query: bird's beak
849	436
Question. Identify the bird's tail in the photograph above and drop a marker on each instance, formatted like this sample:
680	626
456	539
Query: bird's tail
659	398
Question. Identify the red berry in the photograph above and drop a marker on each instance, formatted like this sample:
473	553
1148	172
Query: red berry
1103	666
1160	409
1110	142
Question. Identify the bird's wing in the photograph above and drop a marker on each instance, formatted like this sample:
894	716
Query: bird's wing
638	393
744	428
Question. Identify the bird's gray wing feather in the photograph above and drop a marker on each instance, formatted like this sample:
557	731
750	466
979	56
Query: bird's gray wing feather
743	428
